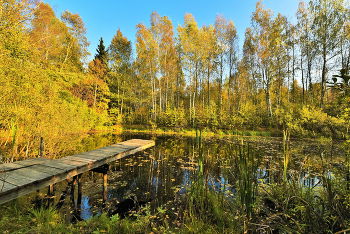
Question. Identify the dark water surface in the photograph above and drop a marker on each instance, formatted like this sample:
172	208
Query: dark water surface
163	174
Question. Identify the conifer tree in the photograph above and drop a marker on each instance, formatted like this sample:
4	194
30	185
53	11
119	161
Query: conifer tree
102	54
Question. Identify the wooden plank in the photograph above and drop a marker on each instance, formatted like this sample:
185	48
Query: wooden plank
71	162
21	191
6	187
59	165
95	156
34	177
112	149
88	157
96	153
48	170
32	161
7	166
131	143
16	179
80	159
31	174
21	164
124	147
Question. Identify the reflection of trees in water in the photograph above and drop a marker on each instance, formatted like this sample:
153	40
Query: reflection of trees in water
160	172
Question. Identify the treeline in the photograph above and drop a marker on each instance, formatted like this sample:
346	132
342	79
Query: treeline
195	78
199	77
45	90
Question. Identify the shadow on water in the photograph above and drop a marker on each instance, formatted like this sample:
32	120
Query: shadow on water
160	176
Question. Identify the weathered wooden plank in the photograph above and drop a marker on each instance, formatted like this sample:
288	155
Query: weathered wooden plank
113	148
6	187
59	165
32	161
134	142
48	170
80	159
21	164
21	191
23	181
7	166
16	179
124	147
87	157
71	162
31	174
98	156
96	153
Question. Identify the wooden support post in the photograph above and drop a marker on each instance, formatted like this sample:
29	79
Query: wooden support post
41	147
104	187
80	191
50	192
104	170
72	189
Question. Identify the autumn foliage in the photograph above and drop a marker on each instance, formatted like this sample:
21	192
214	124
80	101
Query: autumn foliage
195	78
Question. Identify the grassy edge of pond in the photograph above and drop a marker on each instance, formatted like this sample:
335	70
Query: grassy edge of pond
219	133
206	131
287	206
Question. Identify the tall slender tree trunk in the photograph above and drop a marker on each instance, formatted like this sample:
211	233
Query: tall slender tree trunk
302	78
195	91
203	90
208	77
166	94
121	106
323	76
288	85
190	96
228	95
293	72
309	66
221	73
160	95
268	99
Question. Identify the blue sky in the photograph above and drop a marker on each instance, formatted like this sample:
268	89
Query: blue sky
103	18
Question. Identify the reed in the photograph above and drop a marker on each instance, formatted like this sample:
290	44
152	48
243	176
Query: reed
14	129
286	136
246	164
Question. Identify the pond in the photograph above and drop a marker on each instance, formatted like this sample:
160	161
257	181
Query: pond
161	176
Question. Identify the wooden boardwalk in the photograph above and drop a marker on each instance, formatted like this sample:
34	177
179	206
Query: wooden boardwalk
22	177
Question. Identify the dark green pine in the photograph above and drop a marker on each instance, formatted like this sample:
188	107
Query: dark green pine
102	53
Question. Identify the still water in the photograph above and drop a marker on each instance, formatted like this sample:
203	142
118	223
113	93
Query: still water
162	175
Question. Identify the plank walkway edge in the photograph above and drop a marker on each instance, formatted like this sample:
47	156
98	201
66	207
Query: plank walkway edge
14	184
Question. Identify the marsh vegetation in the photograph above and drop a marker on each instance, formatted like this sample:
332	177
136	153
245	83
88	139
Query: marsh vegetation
201	184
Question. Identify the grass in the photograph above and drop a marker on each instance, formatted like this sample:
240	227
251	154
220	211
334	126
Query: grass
285	154
284	206
246	164
191	132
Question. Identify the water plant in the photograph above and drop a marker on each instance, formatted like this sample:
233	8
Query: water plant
246	163
286	135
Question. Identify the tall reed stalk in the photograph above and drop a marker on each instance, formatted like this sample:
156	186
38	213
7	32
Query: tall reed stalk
286	136
246	166
14	129
197	188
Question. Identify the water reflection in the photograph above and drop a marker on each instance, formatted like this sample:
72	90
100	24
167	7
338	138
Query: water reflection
165	172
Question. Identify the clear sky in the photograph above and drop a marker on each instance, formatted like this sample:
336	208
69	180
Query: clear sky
103	18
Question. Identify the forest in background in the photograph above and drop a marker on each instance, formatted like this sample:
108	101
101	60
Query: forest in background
289	75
